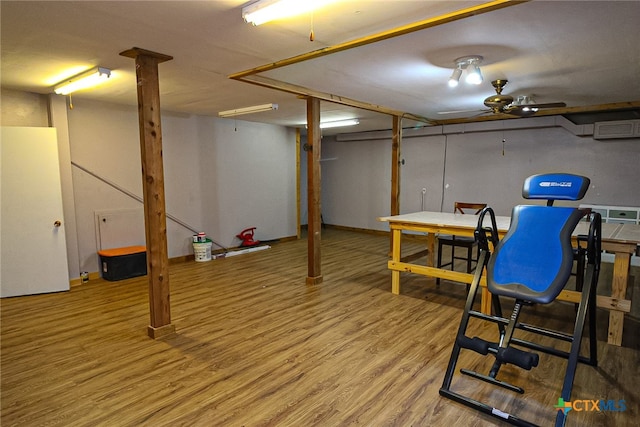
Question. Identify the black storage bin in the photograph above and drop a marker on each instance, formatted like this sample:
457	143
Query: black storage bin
123	263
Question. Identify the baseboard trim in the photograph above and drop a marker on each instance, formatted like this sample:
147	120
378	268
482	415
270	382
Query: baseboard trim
94	275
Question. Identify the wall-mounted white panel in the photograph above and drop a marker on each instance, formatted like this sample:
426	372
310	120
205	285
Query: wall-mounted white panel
120	228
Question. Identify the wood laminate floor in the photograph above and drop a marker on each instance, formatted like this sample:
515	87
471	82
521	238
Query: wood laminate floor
255	346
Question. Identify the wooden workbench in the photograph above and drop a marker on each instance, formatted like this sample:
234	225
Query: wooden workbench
621	239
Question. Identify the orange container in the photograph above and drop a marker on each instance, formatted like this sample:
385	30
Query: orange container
123	263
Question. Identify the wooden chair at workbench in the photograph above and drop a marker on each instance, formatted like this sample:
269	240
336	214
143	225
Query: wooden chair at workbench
469	243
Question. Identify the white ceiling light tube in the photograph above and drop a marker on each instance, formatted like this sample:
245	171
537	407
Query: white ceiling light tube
83	80
339	123
263	11
248	110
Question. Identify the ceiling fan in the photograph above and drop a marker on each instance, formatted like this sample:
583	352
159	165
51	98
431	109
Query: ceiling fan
522	106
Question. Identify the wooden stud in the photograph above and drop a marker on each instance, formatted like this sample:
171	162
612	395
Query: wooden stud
153	188
313	148
298	216
621	264
396	238
396	142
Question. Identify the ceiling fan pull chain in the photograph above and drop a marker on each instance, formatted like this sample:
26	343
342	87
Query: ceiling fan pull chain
311	35
503	138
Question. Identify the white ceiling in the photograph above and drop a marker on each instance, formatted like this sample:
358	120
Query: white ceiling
585	53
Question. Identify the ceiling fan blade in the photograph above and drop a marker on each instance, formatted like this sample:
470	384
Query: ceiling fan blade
459	111
526	110
481	113
546	105
520	112
507	104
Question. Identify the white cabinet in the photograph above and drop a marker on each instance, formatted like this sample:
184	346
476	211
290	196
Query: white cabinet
617	214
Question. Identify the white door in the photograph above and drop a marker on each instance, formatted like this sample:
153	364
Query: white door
33	254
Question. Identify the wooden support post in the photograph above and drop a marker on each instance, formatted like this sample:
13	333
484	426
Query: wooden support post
396	243
314	221
298	178
153	188
621	265
396	142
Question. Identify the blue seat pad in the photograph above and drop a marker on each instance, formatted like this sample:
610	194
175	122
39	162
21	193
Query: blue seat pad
533	261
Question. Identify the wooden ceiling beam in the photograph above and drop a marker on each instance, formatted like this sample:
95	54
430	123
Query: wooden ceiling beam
250	76
305	92
384	35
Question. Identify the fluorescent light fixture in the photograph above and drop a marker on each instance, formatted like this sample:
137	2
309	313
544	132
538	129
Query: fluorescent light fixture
83	80
248	110
263	11
339	123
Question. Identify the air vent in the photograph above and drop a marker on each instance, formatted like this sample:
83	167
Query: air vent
617	129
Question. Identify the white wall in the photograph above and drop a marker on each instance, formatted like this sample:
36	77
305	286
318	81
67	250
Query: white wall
221	175
470	166
249	180
21	108
356	182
